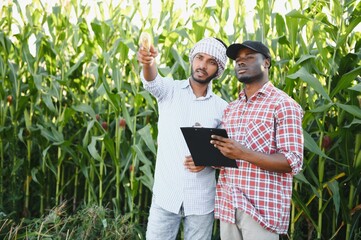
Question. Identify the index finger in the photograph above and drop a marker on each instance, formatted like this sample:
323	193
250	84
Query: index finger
188	158
217	137
142	50
153	50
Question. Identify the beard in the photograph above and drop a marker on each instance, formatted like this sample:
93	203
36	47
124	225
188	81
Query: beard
205	81
250	79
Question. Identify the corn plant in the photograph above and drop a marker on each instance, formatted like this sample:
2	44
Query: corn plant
76	125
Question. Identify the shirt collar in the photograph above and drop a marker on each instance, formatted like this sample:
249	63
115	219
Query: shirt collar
186	84
264	90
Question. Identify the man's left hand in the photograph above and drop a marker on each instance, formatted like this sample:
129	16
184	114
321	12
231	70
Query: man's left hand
189	164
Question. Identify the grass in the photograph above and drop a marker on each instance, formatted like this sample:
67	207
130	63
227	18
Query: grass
89	222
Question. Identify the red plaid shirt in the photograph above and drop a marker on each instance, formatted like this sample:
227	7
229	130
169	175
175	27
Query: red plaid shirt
269	122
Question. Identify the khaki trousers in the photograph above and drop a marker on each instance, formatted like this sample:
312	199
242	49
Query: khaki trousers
245	228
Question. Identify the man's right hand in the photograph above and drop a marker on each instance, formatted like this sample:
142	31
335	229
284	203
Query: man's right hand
147	57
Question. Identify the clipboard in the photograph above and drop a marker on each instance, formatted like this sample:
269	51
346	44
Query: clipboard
202	151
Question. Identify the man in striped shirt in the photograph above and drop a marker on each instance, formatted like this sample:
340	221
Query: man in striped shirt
183	191
266	139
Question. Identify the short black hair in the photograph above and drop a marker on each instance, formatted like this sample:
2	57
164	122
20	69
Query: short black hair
225	45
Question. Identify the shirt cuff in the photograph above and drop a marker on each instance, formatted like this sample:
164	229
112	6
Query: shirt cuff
145	81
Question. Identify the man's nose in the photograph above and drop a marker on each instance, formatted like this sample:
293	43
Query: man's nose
202	64
240	63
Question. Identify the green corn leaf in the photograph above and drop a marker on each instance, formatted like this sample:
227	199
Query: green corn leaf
346	81
354	122
354	110
301	177
334	187
298	200
356	87
147	177
84	108
92	147
312	146
109	145
147	138
89	126
322	108
75	66
305	76
52	135
140	154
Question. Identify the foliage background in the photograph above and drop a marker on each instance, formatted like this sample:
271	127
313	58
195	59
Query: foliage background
78	132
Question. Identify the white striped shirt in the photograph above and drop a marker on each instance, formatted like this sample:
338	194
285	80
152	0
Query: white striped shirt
179	107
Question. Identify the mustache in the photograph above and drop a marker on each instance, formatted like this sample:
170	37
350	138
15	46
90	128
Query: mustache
201	70
239	68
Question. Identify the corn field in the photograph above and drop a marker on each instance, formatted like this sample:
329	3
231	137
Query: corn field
78	131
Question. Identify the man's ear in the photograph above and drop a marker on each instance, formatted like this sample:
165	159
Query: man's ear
267	63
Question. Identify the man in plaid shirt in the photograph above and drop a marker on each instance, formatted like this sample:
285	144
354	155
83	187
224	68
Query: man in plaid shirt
265	138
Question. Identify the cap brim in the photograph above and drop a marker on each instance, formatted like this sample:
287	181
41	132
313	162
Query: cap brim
233	49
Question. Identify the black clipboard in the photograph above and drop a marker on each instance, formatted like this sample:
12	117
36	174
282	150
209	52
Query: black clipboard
202	151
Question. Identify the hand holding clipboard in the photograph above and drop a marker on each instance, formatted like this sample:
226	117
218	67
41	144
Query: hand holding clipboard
204	153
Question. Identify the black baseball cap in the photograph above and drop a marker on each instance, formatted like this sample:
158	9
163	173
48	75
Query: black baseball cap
256	46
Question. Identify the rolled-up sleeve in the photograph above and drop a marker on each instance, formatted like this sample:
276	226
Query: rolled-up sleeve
290	134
